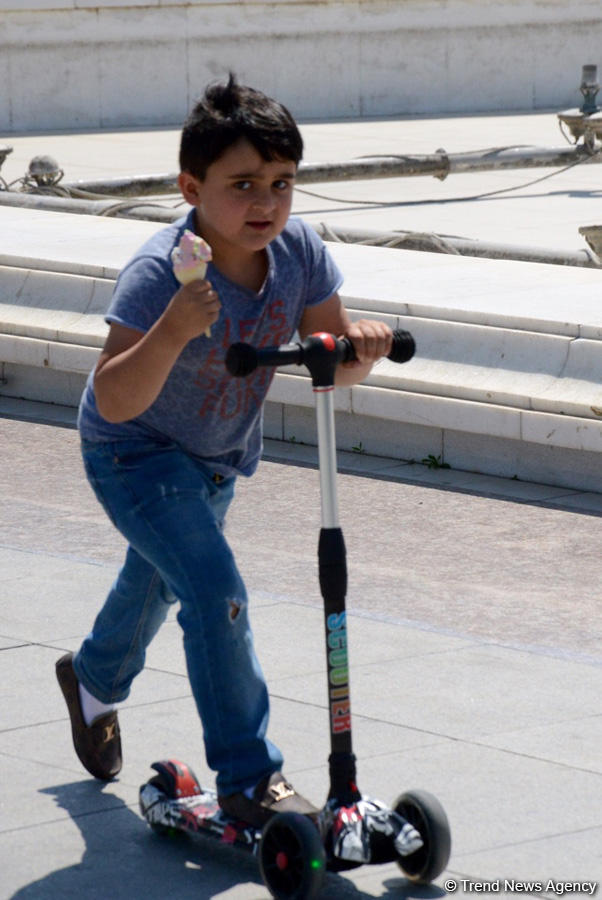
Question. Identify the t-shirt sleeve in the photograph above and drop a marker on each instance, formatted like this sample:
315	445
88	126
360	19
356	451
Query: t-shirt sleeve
142	292
325	277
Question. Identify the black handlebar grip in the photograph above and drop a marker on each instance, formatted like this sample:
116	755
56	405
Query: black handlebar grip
403	348
241	360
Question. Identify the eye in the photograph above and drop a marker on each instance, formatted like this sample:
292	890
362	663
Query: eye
242	185
282	184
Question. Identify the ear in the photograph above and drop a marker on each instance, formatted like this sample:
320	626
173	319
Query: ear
190	187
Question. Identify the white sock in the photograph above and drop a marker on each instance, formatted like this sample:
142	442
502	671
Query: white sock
91	707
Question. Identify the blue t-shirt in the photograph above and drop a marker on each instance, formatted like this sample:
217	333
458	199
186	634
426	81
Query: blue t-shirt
202	408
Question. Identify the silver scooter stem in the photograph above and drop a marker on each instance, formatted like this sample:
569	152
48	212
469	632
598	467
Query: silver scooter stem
327	456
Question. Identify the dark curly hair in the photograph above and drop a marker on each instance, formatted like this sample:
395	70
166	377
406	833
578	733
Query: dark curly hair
229	112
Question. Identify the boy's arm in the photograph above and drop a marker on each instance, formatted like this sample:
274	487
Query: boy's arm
133	365
371	339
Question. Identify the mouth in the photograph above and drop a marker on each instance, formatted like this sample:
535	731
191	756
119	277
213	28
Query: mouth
259	224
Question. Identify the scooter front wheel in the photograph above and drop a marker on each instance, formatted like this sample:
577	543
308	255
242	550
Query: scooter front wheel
425	813
292	860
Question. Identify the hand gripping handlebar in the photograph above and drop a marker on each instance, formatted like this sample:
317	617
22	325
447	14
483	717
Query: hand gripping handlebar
319	352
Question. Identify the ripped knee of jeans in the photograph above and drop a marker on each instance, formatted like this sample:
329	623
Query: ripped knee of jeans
234	609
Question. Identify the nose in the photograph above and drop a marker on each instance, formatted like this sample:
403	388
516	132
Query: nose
263	199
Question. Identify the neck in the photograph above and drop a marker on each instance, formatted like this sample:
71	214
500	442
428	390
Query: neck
247	268
250	272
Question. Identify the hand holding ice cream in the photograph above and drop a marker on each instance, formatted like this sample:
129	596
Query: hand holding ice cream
190	260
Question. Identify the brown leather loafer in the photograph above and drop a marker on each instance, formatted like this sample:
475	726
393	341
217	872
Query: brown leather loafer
98	745
272	795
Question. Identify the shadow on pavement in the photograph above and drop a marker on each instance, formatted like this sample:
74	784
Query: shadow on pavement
122	857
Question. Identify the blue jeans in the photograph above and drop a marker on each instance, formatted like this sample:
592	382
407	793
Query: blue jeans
171	511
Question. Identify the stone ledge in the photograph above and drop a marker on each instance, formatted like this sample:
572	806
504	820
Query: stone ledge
473	395
479	365
509	354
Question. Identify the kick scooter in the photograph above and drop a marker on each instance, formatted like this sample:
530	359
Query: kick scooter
352	830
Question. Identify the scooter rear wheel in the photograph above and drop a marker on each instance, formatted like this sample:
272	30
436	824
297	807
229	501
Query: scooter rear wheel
425	813
292	860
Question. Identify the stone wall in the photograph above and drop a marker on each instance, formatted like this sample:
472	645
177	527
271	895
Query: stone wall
111	63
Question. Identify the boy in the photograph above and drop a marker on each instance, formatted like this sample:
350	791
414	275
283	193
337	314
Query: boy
165	432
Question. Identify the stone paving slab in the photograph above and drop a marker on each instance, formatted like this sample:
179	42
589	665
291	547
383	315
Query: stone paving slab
474	693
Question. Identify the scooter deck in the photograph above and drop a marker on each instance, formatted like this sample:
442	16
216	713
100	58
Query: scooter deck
366	831
414	833
174	800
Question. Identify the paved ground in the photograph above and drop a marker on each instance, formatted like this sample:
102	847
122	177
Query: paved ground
476	673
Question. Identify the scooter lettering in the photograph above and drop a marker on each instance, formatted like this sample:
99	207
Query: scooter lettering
338	673
339	693
337	640
336	621
339	676
340	716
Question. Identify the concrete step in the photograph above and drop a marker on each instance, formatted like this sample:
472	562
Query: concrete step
506	378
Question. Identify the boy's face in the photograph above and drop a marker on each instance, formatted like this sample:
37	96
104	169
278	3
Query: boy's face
243	202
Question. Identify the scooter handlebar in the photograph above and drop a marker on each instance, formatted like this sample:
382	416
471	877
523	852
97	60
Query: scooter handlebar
404	346
242	359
